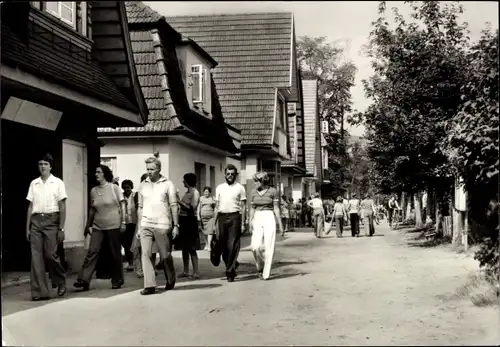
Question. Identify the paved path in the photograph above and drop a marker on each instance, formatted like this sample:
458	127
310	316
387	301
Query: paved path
365	291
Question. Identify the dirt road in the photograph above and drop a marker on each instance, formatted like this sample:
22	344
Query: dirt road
364	291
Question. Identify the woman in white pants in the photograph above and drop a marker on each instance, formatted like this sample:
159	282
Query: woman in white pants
264	215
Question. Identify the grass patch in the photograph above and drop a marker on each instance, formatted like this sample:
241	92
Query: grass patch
479	291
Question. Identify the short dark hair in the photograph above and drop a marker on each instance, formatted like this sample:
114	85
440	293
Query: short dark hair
232	168
127	183
108	174
48	158
144	176
207	188
190	179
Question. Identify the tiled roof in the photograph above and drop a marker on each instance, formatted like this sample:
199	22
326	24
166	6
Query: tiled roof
161	81
42	58
310	90
137	12
253	52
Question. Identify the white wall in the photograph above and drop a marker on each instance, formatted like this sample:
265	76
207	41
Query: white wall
297	188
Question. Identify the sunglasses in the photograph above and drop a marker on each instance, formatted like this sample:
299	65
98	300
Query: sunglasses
230	174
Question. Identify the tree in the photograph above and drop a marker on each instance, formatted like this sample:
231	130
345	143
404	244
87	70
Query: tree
418	71
472	141
322	60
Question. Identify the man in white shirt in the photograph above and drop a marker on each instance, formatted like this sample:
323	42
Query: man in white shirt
230	213
158	220
45	230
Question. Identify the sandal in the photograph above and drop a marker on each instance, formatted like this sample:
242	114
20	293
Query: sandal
183	275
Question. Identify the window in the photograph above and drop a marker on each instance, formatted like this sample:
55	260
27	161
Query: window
324	127
64	10
197	76
111	163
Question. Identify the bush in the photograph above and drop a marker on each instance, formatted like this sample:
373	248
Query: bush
488	254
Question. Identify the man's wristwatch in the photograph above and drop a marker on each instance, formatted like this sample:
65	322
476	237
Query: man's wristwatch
176	225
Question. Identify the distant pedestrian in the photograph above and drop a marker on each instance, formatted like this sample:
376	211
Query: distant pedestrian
354	215
285	214
318	213
206	209
189	237
131	201
107	217
293	214
230	216
368	212
393	207
158	220
339	214
45	221
264	215
346	206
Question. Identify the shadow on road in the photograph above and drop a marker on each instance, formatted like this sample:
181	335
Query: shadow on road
430	243
197	286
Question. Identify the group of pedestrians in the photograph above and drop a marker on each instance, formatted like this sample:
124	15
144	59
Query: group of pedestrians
353	212
147	222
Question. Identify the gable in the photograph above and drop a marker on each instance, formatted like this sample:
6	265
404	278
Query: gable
254	56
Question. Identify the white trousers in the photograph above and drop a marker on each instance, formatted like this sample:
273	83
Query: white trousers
263	239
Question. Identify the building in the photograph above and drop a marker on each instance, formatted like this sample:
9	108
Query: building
312	139
257	82
186	126
66	69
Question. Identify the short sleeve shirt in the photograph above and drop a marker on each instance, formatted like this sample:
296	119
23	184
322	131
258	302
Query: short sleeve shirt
106	203
264	200
45	197
157	197
230	197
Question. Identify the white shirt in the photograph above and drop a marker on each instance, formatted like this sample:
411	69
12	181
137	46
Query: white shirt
157	197
316	203
230	197
354	206
45	197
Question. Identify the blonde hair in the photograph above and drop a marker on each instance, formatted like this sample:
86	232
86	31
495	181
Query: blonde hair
154	160
262	177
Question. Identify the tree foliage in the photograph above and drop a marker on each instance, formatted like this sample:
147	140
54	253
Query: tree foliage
418	72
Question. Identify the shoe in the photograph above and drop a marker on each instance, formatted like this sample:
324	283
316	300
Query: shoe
260	274
170	286
117	286
195	276
40	298
130	268
54	286
80	284
230	278
183	275
61	290
148	291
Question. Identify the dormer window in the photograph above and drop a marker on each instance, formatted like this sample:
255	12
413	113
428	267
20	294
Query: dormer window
198	77
64	10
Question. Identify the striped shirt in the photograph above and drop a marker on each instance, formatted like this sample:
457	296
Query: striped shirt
45	197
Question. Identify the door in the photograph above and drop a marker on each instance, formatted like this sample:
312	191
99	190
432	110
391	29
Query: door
75	180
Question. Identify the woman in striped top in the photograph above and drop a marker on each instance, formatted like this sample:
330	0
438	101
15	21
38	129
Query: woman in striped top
264	215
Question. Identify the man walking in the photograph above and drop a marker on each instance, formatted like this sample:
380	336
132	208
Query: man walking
354	205
45	229
230	213
158	220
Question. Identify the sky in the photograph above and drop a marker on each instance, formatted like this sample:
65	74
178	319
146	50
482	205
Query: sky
348	23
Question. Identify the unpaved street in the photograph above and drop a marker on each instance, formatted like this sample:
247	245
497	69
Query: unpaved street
365	291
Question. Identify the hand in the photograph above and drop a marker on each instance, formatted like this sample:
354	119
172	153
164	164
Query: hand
28	236
60	235
86	231
175	232
138	234
122	227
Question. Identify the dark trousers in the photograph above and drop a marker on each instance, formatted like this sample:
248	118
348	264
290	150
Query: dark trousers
309	218
126	240
97	239
229	239
354	217
390	215
43	243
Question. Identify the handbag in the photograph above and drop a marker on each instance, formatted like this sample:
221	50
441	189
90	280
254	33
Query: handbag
215	250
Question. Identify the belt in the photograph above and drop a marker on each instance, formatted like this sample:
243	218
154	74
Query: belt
228	213
45	214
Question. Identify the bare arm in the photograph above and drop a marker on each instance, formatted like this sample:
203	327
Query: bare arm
277	214
243	206
90	220
198	212
139	213
62	213
174	203
28	220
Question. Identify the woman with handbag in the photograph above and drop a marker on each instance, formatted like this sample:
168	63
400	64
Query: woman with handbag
189	237
264	215
106	217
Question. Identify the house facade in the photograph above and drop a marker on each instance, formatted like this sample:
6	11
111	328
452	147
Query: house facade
66	69
312	139
257	82
186	127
